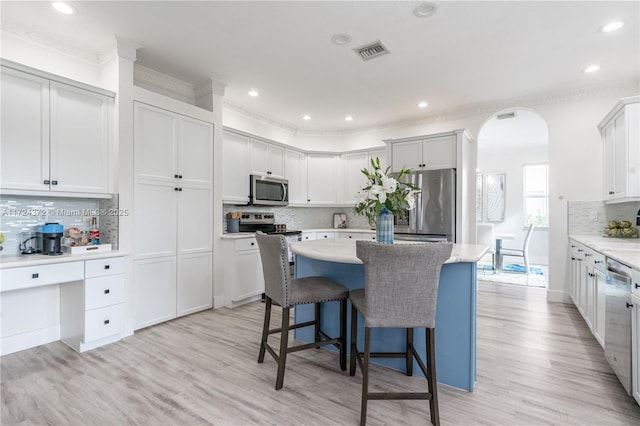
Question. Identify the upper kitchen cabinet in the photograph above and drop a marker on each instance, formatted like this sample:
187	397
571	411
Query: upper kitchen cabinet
352	180
620	131
424	153
266	159
235	167
55	136
295	171
322	178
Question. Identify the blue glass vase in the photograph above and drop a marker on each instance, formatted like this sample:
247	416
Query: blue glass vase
384	226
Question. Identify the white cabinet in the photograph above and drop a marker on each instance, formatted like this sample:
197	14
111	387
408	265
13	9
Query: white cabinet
173	214
295	171
352	178
243	277
635	334
266	159
620	131
357	235
309	236
426	153
55	137
325	235
322	179
235	168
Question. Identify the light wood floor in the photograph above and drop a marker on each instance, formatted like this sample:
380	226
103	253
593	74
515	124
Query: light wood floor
537	364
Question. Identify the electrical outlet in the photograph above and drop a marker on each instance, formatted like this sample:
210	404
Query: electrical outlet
593	216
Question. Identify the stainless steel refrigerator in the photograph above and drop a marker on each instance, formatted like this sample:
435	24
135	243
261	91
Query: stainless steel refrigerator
434	217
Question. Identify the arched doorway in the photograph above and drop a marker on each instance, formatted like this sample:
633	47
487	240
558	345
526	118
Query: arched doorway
513	191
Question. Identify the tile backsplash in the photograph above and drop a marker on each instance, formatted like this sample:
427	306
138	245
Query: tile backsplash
590	217
304	217
23	213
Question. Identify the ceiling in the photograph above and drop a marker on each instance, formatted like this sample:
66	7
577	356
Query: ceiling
466	54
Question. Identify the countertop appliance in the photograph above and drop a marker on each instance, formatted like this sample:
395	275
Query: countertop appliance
266	222
268	191
434	217
49	238
617	332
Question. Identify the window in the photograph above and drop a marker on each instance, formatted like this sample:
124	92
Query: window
536	194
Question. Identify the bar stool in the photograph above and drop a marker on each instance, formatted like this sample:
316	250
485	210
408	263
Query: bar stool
282	290
401	291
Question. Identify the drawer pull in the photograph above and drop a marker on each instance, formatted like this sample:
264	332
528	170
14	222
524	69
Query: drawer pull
106	322
253	244
106	266
107	291
36	275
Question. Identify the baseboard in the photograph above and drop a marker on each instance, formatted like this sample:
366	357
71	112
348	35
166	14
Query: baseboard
29	339
558	296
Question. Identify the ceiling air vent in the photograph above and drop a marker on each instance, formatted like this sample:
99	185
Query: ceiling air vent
506	115
372	50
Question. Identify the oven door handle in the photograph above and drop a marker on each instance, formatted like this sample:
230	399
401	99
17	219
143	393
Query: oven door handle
619	277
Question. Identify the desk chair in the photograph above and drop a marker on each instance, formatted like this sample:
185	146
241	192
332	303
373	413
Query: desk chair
287	292
401	291
524	252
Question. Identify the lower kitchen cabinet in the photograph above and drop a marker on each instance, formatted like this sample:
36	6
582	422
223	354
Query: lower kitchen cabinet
243	277
194	291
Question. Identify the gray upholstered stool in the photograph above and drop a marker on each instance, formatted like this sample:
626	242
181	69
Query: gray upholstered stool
287	292
401	291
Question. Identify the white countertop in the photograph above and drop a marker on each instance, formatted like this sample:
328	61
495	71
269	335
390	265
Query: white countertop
343	250
42	259
624	250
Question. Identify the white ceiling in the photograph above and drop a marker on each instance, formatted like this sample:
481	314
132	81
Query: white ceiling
468	53
527	128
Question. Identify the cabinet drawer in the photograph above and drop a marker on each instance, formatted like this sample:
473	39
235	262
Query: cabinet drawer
102	267
104	291
103	322
33	276
246	244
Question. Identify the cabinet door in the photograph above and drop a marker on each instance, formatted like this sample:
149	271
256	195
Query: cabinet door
258	162
608	150
154	219
308	236
155	143
195	151
194	219
620	166
155	291
296	173
249	276
353	180
439	153
275	161
79	140
321	179
406	154
235	168
635	347
24	127
195	286
600	305
590	295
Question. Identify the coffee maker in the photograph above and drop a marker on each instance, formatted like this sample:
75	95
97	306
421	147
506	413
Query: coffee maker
49	238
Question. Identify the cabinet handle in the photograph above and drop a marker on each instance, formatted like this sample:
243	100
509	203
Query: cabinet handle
611	192
54	182
36	275
573	258
175	189
326	236
107	291
106	322
350	236
253	244
579	260
175	176
587	254
46	182
308	201
572	246
107	266
268	173
637	285
597	261
180	189
629	305
580	250
179	176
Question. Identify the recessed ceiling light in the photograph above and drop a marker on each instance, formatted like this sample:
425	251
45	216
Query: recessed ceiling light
63	8
341	39
422	105
306	117
425	9
591	68
348	118
612	26
253	93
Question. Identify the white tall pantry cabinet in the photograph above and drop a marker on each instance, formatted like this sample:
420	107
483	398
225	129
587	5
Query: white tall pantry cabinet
173	159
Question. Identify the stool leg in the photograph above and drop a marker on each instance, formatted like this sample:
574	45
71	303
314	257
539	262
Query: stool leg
265	328
354	341
365	376
316	327
409	353
431	377
343	334
284	338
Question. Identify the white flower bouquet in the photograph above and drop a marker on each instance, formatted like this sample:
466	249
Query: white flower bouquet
384	191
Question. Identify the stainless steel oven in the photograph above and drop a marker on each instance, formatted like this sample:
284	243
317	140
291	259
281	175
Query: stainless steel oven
268	191
617	333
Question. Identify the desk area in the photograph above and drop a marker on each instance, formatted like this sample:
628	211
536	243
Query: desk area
456	306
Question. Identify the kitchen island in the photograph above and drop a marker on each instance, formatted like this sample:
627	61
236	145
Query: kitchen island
455	316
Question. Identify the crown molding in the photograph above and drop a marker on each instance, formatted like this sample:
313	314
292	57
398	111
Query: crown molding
162	83
623	88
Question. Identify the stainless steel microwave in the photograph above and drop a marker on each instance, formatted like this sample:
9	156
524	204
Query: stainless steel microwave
268	191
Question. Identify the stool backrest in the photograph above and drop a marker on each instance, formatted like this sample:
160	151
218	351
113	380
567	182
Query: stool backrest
275	267
401	282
